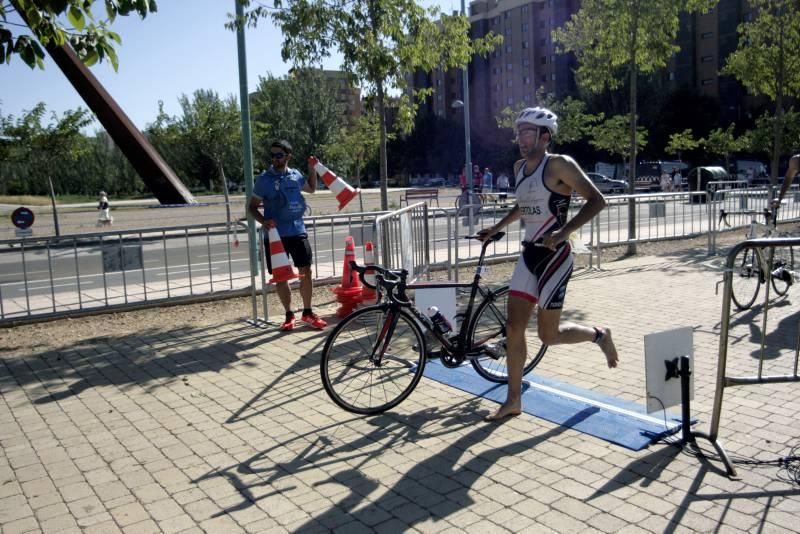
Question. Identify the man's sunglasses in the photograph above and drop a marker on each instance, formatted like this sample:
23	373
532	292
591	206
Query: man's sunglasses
277	155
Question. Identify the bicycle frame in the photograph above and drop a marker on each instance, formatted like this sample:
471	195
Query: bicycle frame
397	299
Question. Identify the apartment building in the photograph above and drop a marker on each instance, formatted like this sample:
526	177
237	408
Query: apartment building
527	61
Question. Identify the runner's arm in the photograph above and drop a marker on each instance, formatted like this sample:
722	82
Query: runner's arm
571	174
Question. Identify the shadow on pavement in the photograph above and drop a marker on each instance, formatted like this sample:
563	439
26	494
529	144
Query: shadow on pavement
435	487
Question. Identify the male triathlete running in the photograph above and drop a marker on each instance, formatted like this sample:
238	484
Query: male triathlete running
544	185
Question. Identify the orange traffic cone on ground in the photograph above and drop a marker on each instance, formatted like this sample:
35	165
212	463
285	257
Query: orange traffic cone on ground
344	192
368	294
348	293
281	269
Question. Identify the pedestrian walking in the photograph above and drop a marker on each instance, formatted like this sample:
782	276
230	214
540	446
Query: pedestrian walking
105	218
544	186
278	190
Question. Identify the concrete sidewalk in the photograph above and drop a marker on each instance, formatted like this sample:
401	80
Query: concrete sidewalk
228	429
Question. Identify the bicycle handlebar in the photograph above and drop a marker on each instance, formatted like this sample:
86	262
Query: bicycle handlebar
771	216
391	279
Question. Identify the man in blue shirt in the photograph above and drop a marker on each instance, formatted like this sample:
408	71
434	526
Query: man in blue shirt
279	189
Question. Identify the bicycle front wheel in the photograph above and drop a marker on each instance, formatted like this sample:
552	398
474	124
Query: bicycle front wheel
782	269
489	328
746	278
373	360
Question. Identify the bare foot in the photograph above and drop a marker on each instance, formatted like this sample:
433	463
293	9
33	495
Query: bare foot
506	410
608	348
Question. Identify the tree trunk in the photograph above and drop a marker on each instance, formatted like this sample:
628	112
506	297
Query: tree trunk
53	202
632	159
778	124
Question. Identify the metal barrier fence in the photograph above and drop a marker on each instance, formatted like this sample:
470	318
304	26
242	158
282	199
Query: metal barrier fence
780	371
81	273
52	276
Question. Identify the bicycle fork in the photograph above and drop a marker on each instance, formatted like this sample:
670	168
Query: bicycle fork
385	335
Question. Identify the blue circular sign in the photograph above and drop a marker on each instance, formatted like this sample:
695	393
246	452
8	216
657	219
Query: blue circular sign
22	218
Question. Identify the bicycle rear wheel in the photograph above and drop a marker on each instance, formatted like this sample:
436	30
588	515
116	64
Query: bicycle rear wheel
746	278
361	383
489	327
783	262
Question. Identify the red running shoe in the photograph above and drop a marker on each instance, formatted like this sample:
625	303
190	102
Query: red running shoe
288	324
314	321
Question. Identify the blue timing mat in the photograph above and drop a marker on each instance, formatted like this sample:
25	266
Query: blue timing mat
618	421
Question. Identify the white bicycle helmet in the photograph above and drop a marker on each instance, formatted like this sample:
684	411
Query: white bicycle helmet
538	117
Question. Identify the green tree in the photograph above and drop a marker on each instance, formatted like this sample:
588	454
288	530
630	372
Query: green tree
766	61
723	143
45	148
612	38
681	142
354	147
381	41
610	135
300	108
88	36
762	138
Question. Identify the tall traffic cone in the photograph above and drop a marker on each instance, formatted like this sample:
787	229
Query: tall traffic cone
344	192
348	293
368	294
281	270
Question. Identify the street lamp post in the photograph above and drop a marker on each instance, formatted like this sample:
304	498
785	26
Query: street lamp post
465	105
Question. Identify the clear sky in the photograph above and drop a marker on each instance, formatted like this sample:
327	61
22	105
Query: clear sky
181	48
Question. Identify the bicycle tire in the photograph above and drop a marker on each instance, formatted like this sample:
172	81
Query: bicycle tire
746	278
490	322
372	389
782	257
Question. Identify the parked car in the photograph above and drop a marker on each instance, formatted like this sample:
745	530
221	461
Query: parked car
605	184
436	181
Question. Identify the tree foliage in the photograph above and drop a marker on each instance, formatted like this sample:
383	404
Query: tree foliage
723	142
201	142
300	108
381	41
766	61
610	135
89	36
682	142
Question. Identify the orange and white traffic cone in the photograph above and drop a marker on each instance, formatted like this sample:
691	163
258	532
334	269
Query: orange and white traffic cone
344	192
368	294
281	269
348	293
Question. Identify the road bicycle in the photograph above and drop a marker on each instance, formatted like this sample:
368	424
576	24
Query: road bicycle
749	274
468	197
375	357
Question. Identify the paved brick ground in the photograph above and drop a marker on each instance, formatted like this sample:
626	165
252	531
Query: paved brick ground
228	429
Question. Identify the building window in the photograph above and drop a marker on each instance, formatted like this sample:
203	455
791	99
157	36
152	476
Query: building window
524	45
508	48
506	14
524	27
510	101
706	35
526	62
543	41
526	80
543	60
553	58
671	76
543	77
509	66
509	83
707	81
553	76
706	59
524	9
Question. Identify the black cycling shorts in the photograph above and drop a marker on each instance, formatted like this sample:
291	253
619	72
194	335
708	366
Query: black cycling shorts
297	247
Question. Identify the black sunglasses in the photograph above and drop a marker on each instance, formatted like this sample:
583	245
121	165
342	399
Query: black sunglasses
277	155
